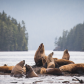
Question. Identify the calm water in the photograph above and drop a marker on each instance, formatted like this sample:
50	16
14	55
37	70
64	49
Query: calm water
12	58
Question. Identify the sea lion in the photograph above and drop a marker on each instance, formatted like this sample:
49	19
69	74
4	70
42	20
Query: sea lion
39	54
51	65
6	69
44	61
73	68
50	61
62	62
66	55
53	71
17	71
30	72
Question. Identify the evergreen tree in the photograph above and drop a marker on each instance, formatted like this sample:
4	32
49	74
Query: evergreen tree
72	40
12	35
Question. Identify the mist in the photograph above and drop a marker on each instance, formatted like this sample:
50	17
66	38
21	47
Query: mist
45	19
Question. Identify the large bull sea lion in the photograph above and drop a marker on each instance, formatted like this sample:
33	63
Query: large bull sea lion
39	54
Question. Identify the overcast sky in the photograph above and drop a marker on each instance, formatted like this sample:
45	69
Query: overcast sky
45	19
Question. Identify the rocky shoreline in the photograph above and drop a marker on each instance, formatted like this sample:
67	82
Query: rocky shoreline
37	70
62	79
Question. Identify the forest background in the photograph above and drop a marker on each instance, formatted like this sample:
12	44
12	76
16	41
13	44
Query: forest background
13	35
44	19
72	40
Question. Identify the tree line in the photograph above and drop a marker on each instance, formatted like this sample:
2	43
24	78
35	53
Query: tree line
13	35
72	40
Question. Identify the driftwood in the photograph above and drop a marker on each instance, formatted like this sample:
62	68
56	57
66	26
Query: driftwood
80	81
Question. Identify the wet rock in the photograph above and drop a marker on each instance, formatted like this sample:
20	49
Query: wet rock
13	82
65	82
36	82
74	80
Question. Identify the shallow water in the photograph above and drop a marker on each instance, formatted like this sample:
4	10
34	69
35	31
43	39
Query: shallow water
12	58
42	79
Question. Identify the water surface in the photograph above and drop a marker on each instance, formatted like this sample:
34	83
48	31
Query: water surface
12	58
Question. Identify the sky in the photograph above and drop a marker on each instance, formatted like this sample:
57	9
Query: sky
45	19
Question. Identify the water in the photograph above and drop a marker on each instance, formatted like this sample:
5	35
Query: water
12	58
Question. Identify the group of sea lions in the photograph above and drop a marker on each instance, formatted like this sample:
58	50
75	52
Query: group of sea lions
54	65
47	64
19	70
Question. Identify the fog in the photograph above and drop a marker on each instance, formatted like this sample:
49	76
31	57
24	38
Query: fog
45	19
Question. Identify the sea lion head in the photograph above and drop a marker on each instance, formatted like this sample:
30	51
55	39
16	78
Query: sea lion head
30	72
50	58
41	45
51	54
5	64
41	48
66	51
63	68
28	68
21	63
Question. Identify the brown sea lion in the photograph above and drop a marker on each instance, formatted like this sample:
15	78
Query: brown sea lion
30	72
53	71
56	65
50	61
73	68
66	55
6	69
51	65
39	54
50	58
44	60
62	62
17	71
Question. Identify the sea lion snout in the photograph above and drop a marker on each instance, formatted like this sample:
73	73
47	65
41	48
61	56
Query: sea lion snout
27	67
52	53
41	44
24	61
